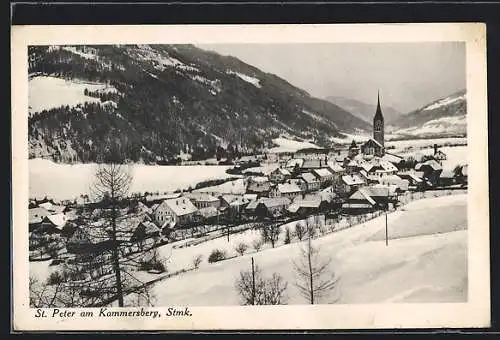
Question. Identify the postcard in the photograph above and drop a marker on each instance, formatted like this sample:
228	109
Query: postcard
249	177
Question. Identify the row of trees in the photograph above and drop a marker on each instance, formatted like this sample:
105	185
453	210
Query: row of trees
316	280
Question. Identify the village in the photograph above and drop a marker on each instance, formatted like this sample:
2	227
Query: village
323	187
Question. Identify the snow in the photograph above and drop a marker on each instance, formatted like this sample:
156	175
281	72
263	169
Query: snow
428	265
254	81
443	125
399	145
46	92
316	117
443	102
73	49
68	181
288	145
160	60
454	155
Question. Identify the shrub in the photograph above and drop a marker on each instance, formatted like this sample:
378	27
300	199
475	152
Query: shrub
197	261
216	255
55	278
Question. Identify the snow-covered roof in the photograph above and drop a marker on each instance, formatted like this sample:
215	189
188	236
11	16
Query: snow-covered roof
295	162
374	141
322	172
201	197
259	179
335	167
52	207
380	190
287	188
180	206
387	166
356	206
37	214
282	171
313	163
392	158
208	212
352	180
295	206
58	220
362	194
434	165
275	201
309	177
163	197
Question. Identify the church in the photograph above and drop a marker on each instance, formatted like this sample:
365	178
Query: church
375	146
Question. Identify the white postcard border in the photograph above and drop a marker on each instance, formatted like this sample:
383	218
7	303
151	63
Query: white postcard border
474	313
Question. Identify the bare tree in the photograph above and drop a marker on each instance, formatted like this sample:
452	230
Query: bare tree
257	244
112	183
255	289
241	248
270	233
299	231
315	277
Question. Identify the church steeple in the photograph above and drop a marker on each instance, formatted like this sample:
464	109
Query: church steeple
378	123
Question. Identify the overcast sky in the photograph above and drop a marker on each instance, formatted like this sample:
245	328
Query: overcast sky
409	75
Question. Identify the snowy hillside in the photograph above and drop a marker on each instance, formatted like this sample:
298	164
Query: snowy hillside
443	117
169	102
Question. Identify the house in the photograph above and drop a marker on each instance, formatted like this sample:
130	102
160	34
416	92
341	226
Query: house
431	171
299	182
400	183
314	163
203	200
51	224
305	207
36	216
415	181
289	190
53	208
351	183
177	211
312	153
259	185
294	163
324	175
279	175
396	160
312	181
234	205
91	238
369	198
359	202
272	207
372	147
146	234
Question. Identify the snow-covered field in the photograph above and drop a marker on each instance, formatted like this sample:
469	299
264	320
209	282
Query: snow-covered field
424	262
289	145
455	155
67	181
421	143
45	92
444	125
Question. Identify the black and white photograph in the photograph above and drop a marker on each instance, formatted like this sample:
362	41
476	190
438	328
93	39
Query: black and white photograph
230	174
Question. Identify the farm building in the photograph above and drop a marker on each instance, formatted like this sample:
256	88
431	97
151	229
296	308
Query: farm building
177	211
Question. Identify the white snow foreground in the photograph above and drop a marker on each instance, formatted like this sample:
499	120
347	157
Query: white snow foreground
424	261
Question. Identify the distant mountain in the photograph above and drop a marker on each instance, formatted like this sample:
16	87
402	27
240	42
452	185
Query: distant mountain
158	103
442	118
363	110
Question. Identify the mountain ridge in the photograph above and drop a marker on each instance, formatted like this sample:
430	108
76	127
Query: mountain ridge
155	103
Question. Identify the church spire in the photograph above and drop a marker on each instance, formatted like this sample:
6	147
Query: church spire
378	113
